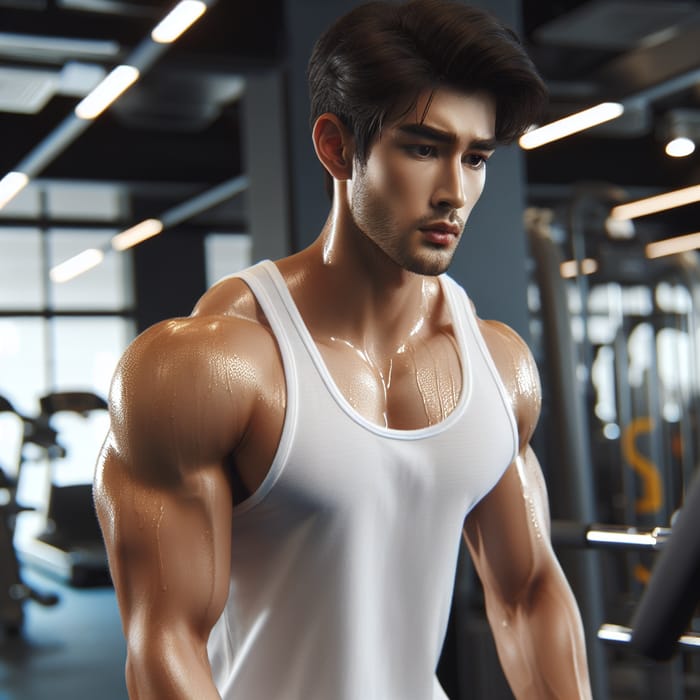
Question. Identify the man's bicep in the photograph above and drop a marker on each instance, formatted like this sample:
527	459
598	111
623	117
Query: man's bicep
508	531
168	545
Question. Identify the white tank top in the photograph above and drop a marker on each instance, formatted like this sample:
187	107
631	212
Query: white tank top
343	561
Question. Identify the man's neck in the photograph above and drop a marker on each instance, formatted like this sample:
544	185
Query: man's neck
346	287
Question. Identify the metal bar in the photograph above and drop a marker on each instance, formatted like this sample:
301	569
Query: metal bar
578	535
142	57
571	488
619	634
206	200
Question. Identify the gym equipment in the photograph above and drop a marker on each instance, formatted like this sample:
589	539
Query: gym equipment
573	534
70	546
673	592
622	404
13	591
661	622
625	635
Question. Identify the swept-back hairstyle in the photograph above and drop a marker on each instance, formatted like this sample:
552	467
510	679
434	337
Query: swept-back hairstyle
376	59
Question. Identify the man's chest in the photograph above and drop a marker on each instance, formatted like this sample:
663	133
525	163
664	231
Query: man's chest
416	386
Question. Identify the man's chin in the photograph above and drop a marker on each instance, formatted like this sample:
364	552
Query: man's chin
429	265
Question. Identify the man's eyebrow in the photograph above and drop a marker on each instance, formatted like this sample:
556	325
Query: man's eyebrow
447	137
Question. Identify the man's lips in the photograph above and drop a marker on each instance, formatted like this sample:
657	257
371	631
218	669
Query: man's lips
440	233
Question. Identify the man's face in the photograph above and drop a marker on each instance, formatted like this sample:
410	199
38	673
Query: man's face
422	178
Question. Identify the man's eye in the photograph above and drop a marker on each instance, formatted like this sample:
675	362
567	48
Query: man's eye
475	160
422	150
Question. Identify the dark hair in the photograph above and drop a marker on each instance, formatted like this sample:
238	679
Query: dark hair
378	58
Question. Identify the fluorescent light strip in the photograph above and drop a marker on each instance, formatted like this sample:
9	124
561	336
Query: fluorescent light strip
140	232
670	246
570	268
11	185
572	124
121	78
660	202
177	21
76	265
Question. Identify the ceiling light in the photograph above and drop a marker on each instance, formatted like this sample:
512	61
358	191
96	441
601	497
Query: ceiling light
107	91
620	229
177	21
140	232
679	129
671	246
570	268
76	265
572	124
660	202
11	185
680	147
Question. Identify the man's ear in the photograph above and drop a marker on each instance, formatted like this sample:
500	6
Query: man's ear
334	146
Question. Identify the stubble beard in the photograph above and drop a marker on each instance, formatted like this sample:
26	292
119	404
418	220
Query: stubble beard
375	222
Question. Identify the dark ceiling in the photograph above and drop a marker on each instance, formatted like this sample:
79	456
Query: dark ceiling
177	126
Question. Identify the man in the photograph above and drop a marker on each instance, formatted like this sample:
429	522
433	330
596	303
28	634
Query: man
290	470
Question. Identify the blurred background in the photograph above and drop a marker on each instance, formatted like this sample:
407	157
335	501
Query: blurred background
116	215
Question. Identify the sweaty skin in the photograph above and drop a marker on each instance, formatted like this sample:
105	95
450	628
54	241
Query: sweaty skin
198	403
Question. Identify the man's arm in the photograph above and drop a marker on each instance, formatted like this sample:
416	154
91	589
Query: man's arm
164	501
530	607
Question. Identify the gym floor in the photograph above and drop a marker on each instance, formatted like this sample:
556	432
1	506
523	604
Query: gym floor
72	650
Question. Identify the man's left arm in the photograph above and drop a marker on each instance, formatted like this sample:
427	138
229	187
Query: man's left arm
530	607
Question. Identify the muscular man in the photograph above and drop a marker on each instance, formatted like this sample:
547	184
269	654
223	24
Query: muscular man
290	470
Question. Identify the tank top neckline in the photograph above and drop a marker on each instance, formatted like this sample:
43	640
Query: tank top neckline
315	354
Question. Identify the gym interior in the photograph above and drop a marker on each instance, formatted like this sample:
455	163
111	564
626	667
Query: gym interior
115	216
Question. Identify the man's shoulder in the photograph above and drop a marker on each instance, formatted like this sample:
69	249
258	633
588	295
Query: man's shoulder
229	297
196	339
226	321
518	371
501	337
194	381
227	334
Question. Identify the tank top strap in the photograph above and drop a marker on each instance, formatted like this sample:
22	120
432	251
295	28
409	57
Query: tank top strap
467	325
264	280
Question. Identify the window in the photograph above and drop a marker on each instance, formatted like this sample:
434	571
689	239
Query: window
54	338
226	253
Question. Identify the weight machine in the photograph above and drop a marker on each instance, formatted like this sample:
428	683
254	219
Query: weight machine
633	466
70	546
14	592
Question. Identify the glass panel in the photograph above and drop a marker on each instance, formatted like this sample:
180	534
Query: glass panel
102	288
226	253
21	269
87	350
86	353
23	379
25	205
23	362
84	200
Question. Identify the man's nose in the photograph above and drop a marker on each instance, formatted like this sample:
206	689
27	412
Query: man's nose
450	190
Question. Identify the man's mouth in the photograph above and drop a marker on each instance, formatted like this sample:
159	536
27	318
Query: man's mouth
441	233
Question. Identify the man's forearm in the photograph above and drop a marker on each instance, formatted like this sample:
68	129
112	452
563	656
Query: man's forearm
541	645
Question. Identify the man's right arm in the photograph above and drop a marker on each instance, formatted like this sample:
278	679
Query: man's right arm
164	500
